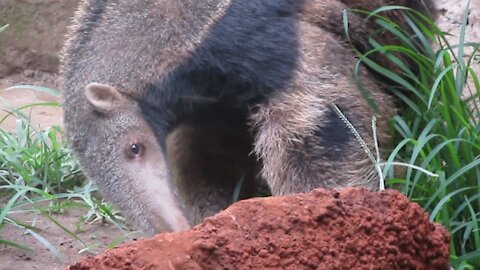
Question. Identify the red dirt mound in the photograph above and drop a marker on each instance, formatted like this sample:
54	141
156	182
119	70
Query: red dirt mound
348	229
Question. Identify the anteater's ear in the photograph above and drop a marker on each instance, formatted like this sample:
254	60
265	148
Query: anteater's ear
104	98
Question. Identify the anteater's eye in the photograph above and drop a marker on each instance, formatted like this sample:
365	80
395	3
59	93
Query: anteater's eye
135	150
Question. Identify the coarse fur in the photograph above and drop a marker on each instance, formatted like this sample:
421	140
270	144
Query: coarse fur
169	104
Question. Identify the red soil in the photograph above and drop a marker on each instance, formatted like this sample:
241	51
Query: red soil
348	229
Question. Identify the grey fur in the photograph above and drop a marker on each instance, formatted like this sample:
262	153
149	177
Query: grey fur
217	91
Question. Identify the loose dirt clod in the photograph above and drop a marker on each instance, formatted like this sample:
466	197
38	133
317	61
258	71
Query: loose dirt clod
348	229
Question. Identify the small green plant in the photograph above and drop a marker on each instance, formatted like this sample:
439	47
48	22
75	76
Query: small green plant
438	128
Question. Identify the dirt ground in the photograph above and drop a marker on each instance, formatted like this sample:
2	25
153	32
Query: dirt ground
40	116
96	237
29	55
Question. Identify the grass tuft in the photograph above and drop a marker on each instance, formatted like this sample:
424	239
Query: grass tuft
438	127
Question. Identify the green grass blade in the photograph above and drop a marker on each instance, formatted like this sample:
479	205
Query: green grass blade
46	90
3	28
13	244
445	199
